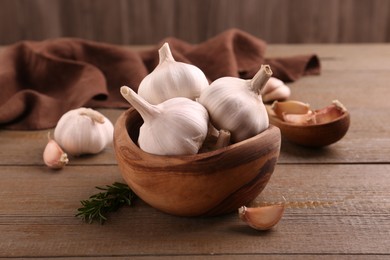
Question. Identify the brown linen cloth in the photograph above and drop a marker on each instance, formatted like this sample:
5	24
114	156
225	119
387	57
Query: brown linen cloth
40	81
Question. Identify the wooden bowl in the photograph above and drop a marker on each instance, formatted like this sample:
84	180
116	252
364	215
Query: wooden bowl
317	135
205	184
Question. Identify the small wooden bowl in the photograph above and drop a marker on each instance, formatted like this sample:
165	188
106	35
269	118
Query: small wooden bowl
205	184
318	135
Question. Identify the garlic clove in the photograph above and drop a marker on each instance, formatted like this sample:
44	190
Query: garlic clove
261	218
330	113
53	156
300	119
275	89
289	107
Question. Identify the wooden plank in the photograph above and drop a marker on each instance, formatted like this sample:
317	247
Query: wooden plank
331	210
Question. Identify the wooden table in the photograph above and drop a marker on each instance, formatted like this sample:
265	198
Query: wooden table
338	198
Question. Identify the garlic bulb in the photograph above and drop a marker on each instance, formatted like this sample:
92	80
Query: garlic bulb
172	79
275	89
83	131
235	104
177	126
53	156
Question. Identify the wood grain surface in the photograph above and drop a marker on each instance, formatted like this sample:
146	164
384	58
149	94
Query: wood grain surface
337	198
149	21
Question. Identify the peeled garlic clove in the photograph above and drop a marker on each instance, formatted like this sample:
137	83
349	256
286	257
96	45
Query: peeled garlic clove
172	79
289	107
53	155
330	113
300	119
275	89
261	218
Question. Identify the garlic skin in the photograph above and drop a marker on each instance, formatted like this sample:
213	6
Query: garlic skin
236	105
330	112
83	131
172	79
53	156
275	89
177	126
261	218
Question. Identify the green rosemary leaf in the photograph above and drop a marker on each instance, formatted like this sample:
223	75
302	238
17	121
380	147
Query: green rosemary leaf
110	199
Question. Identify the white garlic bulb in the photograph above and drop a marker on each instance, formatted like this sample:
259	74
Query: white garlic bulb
275	89
83	131
172	79
177	126
235	104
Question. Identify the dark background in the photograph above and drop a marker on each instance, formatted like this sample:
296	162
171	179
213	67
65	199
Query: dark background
148	21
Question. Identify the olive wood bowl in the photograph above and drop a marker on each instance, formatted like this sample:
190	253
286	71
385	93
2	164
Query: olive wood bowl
205	184
318	135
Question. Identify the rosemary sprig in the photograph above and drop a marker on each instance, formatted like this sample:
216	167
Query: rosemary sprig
110	200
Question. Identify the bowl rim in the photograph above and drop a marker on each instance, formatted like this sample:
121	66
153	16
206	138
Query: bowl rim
126	116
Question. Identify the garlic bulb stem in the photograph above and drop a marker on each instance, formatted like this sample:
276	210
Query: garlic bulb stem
165	54
145	109
93	114
260	79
